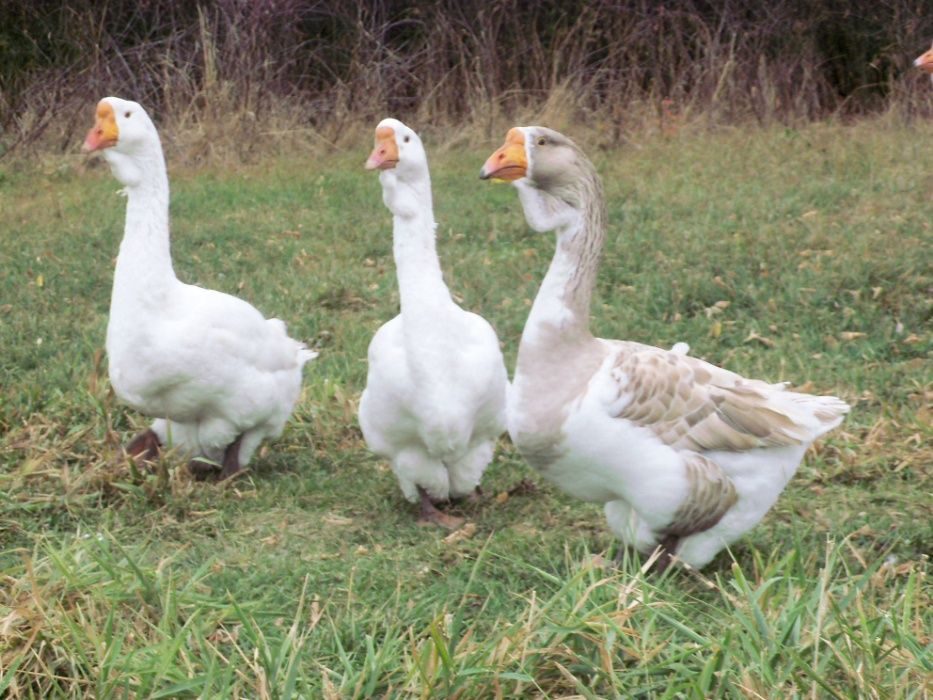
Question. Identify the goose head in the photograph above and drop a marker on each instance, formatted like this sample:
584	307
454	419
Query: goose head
546	161
126	137
925	62
399	156
398	150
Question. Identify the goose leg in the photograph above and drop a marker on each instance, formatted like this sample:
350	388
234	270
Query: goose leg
668	544
431	514
474	496
144	446
231	459
201	471
622	550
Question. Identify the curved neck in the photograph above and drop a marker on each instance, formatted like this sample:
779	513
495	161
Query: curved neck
144	264
563	301
420	280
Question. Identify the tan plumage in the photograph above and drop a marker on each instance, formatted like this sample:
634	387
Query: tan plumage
682	453
711	495
690	404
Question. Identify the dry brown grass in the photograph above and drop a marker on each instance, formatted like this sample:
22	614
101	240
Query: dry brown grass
231	79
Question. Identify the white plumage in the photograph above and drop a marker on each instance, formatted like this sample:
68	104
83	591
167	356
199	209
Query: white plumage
217	376
682	453
434	402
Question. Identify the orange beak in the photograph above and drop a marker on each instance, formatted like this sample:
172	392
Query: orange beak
509	162
385	152
104	133
925	62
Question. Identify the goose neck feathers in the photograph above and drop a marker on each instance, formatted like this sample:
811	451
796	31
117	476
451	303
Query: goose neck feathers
558	167
406	192
560	191
130	144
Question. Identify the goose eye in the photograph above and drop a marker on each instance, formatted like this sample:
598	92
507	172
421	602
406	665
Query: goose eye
542	141
407	139
128	115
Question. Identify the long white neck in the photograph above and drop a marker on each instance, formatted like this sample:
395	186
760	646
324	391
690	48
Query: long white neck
144	271
422	292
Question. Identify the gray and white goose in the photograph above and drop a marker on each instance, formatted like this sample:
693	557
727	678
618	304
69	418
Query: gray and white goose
683	454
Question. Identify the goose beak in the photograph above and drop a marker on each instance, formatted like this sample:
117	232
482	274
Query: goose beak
509	162
104	133
385	153
925	62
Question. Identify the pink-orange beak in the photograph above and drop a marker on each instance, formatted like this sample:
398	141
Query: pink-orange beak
509	162
385	152
104	133
925	62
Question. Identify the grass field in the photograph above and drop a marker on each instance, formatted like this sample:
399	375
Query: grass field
800	255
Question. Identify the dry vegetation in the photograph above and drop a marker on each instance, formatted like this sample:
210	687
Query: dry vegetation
242	77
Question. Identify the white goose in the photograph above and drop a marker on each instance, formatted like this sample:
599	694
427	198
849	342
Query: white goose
216	375
925	62
434	402
683	454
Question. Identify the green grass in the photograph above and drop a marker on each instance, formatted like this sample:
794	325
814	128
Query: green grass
799	255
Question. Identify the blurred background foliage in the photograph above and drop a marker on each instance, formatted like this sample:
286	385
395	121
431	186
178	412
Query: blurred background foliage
273	68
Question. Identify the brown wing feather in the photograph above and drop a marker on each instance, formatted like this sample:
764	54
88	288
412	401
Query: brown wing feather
692	405
711	495
697	407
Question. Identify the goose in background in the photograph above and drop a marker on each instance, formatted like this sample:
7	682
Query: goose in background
214	373
434	403
925	62
683	455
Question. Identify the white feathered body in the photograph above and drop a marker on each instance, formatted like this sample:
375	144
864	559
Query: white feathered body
434	401
643	477
435	396
208	366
